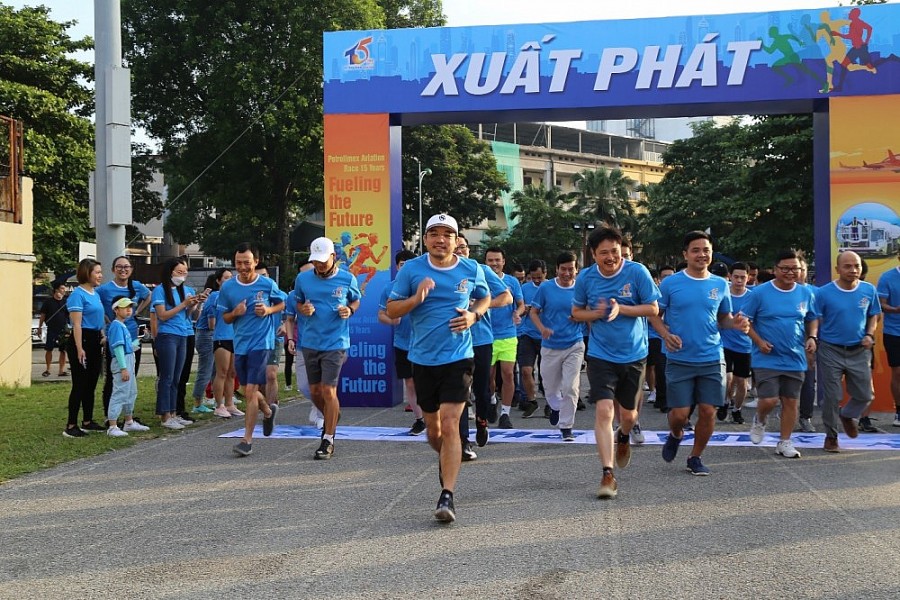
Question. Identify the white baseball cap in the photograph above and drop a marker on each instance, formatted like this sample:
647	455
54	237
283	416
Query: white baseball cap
123	303
442	220
321	249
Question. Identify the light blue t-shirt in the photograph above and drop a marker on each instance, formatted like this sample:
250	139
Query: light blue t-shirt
403	330
555	304
251	332
692	309
223	331
502	317
843	313
325	330
89	305
779	317
526	327
483	330
432	341
734	339
110	290
118	335
208	310
179	324
889	290
622	340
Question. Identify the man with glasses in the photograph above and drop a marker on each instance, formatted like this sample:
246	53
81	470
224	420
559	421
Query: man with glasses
784	329
889	296
436	291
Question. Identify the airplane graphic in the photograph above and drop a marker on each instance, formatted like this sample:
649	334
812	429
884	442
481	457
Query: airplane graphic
892	162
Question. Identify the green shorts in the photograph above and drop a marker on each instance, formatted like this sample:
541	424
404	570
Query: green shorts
504	350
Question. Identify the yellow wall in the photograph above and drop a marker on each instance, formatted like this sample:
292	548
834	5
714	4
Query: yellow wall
16	261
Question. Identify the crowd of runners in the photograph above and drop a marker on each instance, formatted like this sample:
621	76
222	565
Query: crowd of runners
699	335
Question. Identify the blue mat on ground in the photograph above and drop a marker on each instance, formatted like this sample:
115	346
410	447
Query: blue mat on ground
874	441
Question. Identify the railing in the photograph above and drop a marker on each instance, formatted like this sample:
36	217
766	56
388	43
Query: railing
11	169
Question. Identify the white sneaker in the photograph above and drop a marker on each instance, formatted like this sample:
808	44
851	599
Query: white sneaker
757	431
210	402
315	416
751	403
288	387
171	423
786	449
320	422
897	420
234	411
235	400
221	411
183	422
637	436
114	431
651	398
135	426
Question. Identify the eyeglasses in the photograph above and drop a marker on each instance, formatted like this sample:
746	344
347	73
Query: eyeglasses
462	247
788	269
122	267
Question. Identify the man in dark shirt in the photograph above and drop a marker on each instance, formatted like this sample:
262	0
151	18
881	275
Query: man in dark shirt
55	315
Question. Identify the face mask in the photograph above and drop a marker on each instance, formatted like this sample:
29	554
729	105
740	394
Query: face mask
178	280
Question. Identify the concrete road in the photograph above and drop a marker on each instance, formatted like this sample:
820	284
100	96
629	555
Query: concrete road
180	517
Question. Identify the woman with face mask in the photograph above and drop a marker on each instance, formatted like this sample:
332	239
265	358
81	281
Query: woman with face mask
173	302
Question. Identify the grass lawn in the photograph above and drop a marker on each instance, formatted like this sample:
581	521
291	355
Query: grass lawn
32	420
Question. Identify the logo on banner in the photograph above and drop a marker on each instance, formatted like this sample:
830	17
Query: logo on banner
359	56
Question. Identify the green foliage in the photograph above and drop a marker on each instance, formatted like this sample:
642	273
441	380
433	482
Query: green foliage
602	196
42	86
546	227
750	184
464	180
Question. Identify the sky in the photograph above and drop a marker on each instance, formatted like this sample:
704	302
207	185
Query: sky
497	12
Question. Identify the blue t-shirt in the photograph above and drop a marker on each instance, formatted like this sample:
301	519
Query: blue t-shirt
432	341
223	331
403	330
779	317
325	330
692	309
118	335
251	332
110	290
208	310
843	313
624	339
734	339
502	318
483	330
179	324
889	290
290	310
89	305
555	304
526	327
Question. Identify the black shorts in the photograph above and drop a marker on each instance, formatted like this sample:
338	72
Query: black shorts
53	340
438	384
655	351
737	363
224	344
527	351
402	365
892	348
612	381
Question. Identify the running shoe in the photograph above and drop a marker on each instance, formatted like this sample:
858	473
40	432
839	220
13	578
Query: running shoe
135	426
417	428
567	435
866	426
722	412
670	447
445	511
554	417
609	488
201	409
172	423
757	431
468	452
243	449
269	422
804	424
325	451
92	426
696	466
73	432
114	431
222	412
505	422
637	434
481	432
786	449
623	449
897	420
234	411
528	408
736	417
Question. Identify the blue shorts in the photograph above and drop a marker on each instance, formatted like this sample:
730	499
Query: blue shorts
702	383
251	367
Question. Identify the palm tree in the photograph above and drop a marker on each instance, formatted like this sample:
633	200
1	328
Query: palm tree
603	195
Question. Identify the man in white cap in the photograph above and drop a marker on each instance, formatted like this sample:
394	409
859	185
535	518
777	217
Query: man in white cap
435	290
327	297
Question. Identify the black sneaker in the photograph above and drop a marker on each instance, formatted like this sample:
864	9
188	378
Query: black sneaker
866	426
581	405
528	409
547	411
505	423
554	417
722	412
417	428
243	449
481	432
269	422
73	432
445	512
92	426
492	413
468	453
325	451
736	417
567	435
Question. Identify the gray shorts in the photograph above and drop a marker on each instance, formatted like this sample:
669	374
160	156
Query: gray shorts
778	384
324	367
275	356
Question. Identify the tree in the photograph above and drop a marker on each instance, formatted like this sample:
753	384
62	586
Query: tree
602	195
464	179
42	86
751	185
546	227
233	91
